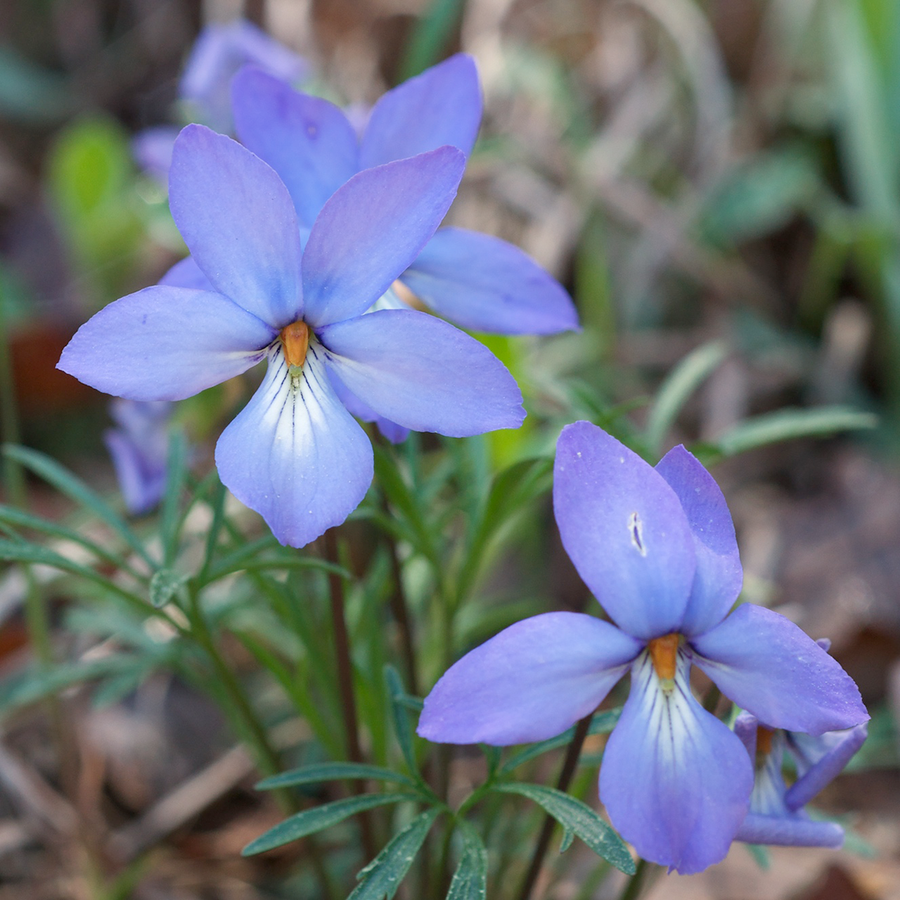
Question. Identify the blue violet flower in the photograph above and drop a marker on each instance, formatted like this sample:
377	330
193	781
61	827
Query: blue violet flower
294	453
657	548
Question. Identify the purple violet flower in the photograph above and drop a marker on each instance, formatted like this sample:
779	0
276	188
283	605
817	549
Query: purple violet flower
476	281
776	813
294	453
218	53
657	548
139	448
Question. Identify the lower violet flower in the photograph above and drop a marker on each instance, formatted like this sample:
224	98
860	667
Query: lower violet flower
295	454
657	548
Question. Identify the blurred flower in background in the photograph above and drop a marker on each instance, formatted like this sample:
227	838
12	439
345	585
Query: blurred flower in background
205	88
139	447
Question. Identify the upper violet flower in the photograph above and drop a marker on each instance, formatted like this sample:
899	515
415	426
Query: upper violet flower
220	50
474	280
657	548
294	453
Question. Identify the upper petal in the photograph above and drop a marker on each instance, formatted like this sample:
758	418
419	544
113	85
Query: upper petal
480	282
238	221
718	578
308	141
530	682
294	454
372	228
422	373
165	343
624	529
767	665
675	780
187	274
440	106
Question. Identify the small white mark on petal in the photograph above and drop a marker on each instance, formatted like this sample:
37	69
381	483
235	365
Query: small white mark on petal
636	530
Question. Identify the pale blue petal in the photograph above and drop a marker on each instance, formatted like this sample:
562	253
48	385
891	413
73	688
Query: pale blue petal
294	454
530	682
789	831
395	433
186	273
308	141
423	374
624	529
165	343
675	780
718	579
485	284
238	221
820	760
371	229
440	106
767	665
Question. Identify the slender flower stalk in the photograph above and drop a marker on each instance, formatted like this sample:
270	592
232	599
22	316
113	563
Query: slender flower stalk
570	763
345	681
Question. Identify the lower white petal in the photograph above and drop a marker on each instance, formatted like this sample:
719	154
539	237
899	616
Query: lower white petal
294	453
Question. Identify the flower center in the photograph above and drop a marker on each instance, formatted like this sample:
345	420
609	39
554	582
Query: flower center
664	655
295	341
763	744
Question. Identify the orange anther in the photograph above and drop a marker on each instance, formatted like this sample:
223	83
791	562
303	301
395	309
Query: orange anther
664	654
295	340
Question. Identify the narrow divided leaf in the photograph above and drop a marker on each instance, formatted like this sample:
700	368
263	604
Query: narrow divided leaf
470	879
380	879
164	585
65	482
578	818
312	820
331	772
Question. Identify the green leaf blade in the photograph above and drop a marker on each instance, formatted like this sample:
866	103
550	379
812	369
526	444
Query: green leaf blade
331	772
788	424
316	819
578	818
380	879
470	878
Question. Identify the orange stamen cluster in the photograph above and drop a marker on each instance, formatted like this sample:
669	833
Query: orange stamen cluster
664	655
295	341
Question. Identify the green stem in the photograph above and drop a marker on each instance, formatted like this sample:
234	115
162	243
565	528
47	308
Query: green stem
345	683
399	603
266	755
247	723
565	777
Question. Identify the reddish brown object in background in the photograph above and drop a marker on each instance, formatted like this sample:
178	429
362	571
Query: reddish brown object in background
41	388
